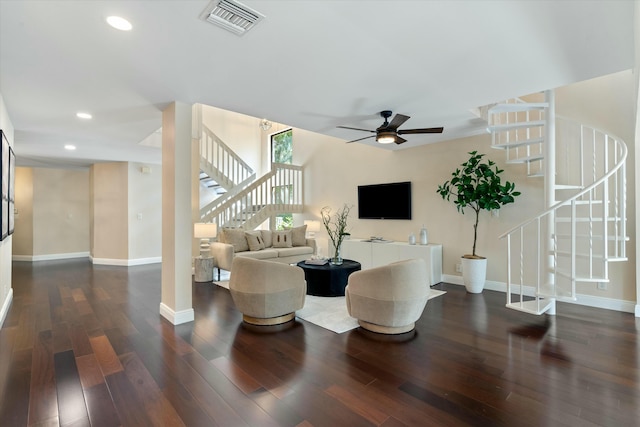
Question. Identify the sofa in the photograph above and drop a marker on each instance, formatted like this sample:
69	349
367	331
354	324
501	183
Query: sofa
284	246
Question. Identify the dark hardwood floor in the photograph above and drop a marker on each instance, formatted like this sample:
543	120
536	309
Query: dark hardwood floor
85	345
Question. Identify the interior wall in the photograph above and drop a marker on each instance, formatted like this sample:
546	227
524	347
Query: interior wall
60	211
23	235
144	211
110	211
6	244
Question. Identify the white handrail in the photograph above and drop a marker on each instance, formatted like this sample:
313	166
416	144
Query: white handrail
220	162
603	200
278	191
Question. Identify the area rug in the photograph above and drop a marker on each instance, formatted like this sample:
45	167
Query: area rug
329	312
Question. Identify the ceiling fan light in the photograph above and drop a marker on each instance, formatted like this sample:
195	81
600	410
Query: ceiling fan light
386	137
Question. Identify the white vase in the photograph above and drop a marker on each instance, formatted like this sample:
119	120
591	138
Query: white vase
474	274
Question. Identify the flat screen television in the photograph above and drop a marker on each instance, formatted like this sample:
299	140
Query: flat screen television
385	201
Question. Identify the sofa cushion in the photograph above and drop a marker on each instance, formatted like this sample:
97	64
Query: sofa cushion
236	237
254	240
263	254
282	239
267	236
298	236
297	250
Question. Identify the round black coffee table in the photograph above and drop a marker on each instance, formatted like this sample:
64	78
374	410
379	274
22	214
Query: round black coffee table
328	280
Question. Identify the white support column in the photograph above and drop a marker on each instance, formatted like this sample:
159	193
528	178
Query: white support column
177	233
550	178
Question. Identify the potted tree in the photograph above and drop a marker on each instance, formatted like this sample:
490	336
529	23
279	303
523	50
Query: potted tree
477	185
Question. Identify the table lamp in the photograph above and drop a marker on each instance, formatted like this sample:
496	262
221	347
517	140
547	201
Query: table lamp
312	227
204	231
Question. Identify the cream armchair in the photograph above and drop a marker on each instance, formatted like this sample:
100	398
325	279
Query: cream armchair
389	299
266	292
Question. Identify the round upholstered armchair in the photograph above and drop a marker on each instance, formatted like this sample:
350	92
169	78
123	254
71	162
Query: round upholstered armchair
389	299
266	292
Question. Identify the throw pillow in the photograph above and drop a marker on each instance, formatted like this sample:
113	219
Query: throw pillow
254	239
220	236
267	237
298	235
282	239
236	237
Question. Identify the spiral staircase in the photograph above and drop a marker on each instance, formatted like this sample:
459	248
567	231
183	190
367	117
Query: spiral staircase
583	227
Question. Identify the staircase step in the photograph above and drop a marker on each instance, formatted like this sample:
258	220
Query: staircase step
520	106
515	144
516	125
587	237
567	274
568	187
528	159
532	306
597	257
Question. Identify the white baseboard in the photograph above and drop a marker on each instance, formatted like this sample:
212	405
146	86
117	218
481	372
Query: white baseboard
5	306
176	317
586	300
50	257
125	262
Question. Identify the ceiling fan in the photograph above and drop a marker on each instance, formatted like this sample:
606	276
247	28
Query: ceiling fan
389	132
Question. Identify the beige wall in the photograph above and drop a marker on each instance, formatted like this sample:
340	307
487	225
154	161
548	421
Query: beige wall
60	211
23	236
5	245
110	211
145	211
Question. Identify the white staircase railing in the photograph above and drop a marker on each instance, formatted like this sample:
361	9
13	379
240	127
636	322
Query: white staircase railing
574	240
279	191
222	164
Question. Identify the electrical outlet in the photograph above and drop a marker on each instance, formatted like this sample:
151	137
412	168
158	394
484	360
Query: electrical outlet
602	286
459	267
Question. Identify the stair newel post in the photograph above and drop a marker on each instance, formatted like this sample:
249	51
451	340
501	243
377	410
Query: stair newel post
550	184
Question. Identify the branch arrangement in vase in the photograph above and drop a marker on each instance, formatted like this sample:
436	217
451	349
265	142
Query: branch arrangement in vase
336	227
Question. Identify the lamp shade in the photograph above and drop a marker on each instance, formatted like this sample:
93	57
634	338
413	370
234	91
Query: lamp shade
312	225
204	230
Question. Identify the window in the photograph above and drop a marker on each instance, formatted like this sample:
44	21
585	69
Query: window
282	152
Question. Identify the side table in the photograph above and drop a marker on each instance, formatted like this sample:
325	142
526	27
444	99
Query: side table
203	267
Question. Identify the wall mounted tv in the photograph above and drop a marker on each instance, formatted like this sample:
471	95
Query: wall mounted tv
385	201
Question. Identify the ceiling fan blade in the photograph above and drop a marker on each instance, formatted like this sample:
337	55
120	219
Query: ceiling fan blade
364	130
360	139
399	140
424	130
397	121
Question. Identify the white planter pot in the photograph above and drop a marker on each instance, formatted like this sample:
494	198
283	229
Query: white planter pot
474	274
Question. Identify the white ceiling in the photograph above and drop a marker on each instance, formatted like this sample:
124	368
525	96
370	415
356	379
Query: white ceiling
312	64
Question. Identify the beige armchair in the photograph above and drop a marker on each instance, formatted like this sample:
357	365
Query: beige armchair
389	299
266	292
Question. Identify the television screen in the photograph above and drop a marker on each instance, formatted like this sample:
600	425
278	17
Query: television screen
385	201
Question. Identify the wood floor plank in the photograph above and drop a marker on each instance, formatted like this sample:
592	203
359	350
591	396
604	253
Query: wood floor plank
71	404
100	406
107	358
158	409
14	408
43	398
89	371
129	407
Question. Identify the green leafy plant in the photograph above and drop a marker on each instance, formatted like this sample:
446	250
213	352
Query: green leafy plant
477	185
336	226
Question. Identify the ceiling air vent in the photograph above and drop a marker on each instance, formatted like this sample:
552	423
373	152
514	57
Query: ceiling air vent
231	15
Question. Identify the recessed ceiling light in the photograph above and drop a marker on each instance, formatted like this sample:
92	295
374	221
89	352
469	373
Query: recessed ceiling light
83	115
70	147
119	23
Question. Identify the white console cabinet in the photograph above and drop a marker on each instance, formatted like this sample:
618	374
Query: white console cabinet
373	254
